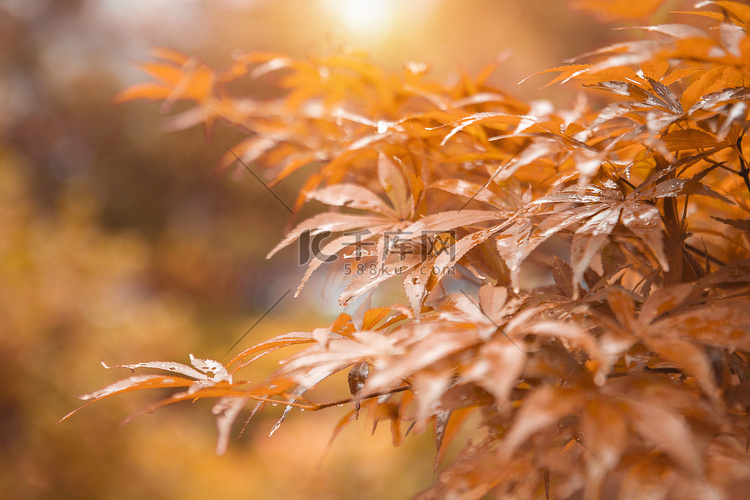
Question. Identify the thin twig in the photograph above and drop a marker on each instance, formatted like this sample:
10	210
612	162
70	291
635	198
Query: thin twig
704	254
360	398
744	170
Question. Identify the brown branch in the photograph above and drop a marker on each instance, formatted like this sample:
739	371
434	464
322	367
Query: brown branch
675	239
312	406
744	170
360	398
704	254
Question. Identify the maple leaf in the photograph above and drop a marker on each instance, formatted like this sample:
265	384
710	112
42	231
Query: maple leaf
200	379
376	231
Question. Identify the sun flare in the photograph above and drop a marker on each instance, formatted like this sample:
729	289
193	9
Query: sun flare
362	17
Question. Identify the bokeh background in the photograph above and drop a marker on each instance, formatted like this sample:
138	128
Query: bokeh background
121	242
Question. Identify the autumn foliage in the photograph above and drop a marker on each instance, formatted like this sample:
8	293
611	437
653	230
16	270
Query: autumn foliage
576	282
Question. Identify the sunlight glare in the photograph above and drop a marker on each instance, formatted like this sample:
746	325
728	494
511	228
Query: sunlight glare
362	16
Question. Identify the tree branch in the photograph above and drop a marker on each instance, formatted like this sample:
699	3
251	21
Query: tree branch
744	170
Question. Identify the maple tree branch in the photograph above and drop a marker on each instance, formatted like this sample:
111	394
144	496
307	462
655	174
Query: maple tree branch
309	406
675	238
722	165
704	254
323	406
306	404
688	246
635	227
744	170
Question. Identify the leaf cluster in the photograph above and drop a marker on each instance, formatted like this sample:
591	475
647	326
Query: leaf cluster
626	367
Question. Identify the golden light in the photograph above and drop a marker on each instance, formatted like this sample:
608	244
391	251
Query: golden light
362	17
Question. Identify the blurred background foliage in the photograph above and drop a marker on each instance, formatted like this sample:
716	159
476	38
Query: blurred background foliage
120	242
